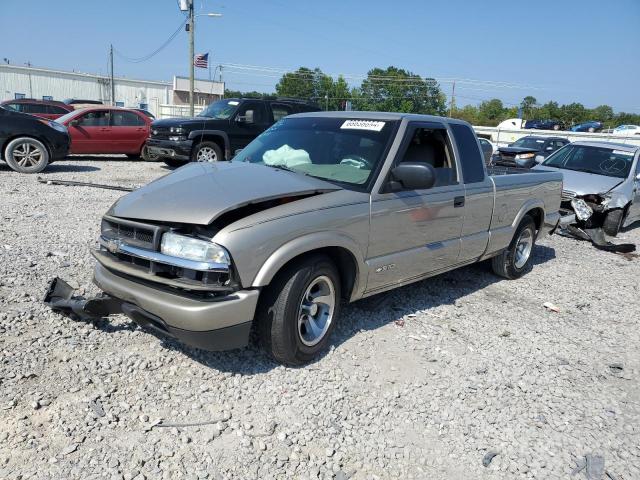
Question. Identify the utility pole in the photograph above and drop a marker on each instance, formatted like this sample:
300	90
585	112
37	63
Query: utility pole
113	87
192	25
453	98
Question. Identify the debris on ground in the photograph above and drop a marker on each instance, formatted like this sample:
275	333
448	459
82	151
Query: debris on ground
488	458
551	307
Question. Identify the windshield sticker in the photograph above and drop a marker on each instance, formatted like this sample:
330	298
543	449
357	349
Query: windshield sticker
363	125
622	152
234	103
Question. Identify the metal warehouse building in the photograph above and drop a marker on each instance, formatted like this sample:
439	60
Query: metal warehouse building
156	96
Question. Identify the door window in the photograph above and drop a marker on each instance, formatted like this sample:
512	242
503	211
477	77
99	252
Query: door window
470	159
16	107
55	110
34	108
98	118
125	119
432	146
280	110
252	112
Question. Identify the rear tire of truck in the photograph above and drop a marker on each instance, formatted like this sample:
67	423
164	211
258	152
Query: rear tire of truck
207	152
174	163
613	222
147	156
515	261
26	155
299	309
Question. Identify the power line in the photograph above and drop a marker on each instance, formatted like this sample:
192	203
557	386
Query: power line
156	51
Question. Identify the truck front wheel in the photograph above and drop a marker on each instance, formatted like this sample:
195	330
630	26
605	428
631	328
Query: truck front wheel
513	262
207	152
299	309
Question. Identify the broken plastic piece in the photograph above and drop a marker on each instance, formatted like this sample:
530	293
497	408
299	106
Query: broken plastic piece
59	297
550	306
84	184
597	238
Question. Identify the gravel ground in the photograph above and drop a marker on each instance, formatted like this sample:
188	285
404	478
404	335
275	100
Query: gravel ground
423	383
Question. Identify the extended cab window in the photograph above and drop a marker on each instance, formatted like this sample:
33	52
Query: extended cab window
280	110
431	145
470	159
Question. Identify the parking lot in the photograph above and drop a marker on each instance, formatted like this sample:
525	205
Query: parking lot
425	382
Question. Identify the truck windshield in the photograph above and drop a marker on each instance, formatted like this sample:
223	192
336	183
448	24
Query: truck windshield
335	149
221	110
598	160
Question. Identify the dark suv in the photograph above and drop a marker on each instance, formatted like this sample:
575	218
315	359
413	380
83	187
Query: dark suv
219	130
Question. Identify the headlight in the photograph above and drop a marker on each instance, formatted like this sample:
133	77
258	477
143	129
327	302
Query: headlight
55	125
176	130
524	156
193	249
583	211
177	138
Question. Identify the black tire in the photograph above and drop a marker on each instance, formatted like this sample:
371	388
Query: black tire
207	152
148	156
613	222
280	311
26	155
506	264
174	163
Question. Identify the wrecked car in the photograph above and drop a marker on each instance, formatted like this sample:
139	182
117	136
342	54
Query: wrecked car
601	184
322	207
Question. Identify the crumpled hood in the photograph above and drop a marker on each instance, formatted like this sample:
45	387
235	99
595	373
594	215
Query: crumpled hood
583	183
200	192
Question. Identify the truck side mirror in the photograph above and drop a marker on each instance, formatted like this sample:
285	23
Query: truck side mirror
413	176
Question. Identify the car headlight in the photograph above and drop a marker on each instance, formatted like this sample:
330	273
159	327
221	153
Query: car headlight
583	211
524	156
177	138
191	248
55	125
176	130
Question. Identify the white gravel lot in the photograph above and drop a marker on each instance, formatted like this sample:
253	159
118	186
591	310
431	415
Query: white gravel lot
421	384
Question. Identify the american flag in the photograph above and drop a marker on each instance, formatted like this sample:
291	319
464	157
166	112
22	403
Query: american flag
201	60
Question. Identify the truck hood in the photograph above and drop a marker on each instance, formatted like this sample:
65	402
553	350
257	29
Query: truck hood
198	193
175	122
583	183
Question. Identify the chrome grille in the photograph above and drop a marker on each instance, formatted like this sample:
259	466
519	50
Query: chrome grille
568	195
141	235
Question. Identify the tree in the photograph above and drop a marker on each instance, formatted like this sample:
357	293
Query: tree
604	114
469	113
550	110
573	113
253	94
528	105
299	84
491	112
397	90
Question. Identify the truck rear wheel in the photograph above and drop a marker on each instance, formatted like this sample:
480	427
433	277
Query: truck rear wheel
513	262
299	309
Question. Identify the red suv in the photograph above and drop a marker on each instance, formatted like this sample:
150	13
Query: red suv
40	108
108	130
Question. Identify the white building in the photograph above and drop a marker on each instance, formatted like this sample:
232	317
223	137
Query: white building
155	96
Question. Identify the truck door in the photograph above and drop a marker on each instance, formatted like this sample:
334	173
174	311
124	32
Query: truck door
478	192
417	232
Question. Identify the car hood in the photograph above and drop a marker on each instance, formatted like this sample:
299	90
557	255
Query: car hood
583	183
198	193
517	150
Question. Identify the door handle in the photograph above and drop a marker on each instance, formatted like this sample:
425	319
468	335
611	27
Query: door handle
458	202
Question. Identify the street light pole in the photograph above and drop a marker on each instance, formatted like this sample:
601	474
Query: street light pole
192	25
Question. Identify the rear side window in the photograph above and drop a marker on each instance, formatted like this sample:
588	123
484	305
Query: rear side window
54	109
280	110
34	108
125	119
470	158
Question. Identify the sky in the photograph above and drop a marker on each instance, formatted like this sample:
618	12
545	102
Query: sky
585	51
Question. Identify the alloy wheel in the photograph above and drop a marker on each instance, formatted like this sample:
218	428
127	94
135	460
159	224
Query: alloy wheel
316	311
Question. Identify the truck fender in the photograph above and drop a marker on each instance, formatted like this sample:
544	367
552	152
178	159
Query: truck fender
308	243
196	134
527	207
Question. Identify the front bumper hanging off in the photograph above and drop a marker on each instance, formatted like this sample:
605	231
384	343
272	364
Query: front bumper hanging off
60	296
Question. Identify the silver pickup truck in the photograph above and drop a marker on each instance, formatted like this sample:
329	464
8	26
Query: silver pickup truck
320	208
